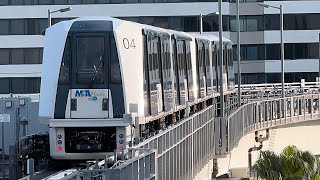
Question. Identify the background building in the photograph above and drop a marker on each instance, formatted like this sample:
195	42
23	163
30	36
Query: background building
21	42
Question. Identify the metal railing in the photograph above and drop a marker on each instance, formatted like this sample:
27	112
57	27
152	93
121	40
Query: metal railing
181	151
266	114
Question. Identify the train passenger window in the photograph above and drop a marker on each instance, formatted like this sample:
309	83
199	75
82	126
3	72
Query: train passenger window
90	57
115	75
64	76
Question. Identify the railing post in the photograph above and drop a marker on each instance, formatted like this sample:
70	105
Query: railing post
305	106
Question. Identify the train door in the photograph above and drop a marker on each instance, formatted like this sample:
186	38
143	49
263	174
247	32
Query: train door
90	76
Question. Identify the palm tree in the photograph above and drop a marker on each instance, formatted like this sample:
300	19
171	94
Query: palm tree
291	164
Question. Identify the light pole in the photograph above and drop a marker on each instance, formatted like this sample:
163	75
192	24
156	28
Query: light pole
282	45
238	54
59	10
201	22
221	60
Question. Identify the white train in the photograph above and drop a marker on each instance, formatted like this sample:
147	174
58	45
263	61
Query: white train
108	83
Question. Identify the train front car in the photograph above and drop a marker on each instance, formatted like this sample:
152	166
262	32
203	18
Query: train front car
83	86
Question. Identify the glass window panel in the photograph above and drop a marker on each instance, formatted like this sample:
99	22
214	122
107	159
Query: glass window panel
300	51
60	2
5	86
300	22
17	26
88	2
132	19
115	75
313	51
90	58
17	56
41	55
4	2
273	78
75	1
161	22
252	53
289	22
132	1
233	24
4	56
191	24
272	22
64	76
16	2
31	2
225	23
32	56
252	24
31	26
4	26
175	23
43	2
261	52
18	85
103	1
289	51
146	1
117	1
147	20
273	51
32	85
313	22
43	24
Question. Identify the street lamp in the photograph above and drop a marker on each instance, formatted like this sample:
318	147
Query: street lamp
282	45
201	23
59	10
221	60
238	53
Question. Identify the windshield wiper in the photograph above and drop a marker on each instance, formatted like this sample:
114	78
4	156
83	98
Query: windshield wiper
96	72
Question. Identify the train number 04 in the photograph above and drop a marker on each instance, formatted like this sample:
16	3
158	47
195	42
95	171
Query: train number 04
128	43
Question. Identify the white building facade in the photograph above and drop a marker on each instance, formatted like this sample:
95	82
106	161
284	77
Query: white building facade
22	21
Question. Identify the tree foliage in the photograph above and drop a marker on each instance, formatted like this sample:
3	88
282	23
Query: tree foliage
290	164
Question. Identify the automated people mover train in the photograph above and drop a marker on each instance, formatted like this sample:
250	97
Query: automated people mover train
108	84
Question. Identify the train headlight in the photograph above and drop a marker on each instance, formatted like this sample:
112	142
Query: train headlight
120	135
59	142
59	136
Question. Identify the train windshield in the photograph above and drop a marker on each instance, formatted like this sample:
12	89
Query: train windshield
90	60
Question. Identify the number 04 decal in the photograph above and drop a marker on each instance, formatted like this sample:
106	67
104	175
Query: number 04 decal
128	44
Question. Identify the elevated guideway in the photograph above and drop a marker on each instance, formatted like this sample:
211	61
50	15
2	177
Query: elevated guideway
201	140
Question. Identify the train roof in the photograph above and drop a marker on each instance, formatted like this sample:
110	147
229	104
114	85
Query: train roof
146	27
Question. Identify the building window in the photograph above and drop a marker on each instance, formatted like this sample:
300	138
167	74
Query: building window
250	52
5	86
21	56
20	85
272	22
247	23
292	21
272	51
4	56
4	2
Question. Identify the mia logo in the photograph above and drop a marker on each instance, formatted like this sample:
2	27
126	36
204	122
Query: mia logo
92	96
83	93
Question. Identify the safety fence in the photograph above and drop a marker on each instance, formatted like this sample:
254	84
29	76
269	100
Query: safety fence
265	114
181	151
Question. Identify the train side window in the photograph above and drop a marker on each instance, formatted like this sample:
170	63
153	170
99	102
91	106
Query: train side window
64	77
90	57
115	74
175	71
146	88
